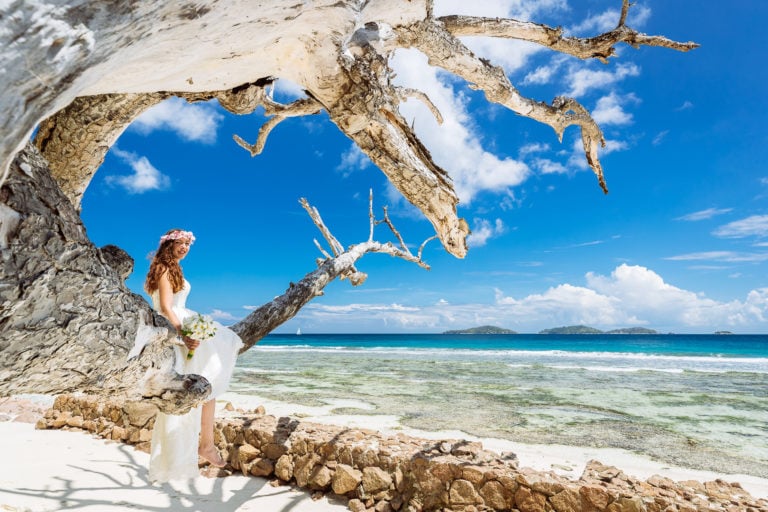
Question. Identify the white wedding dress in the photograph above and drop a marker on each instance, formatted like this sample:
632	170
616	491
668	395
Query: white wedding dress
175	437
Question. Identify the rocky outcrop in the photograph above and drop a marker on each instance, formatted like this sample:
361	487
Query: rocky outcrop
380	473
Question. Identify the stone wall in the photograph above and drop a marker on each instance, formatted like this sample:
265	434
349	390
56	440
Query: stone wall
380	473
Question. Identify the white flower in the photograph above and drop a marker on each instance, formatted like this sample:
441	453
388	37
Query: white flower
199	327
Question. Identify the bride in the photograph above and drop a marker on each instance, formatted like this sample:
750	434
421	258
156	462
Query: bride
175	447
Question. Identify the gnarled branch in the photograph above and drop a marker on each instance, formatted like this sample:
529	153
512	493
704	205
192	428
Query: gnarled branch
599	47
446	51
284	307
278	111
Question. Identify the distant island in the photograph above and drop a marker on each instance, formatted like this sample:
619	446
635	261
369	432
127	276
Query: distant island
570	329
723	332
583	329
483	329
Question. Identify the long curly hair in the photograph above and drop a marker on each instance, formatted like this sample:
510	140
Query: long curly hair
163	262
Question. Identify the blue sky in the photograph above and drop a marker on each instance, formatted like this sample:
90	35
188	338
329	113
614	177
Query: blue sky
679	244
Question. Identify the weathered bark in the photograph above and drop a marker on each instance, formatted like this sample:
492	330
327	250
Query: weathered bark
76	139
85	70
67	321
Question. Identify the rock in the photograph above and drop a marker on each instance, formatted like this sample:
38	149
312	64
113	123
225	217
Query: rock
567	500
118	259
463	493
634	504
262	467
375	479
496	495
594	498
383	506
527	500
244	454
320	477
346	479
356	505
284	468
303	468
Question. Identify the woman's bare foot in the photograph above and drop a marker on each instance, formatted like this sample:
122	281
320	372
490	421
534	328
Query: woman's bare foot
212	456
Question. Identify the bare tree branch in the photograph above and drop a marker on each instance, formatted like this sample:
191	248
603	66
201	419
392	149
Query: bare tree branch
598	47
447	52
404	93
279	112
284	307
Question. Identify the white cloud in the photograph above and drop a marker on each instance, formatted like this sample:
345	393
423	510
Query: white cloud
755	225
352	160
484	230
685	106
454	145
584	79
540	75
659	138
704	214
609	19
609	110
145	176
534	147
191	122
287	91
728	256
546	166
630	295
220	315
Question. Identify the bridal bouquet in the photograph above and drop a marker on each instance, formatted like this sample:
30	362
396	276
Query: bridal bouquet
199	327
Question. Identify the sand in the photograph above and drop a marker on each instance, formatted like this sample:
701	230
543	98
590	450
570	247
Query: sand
47	470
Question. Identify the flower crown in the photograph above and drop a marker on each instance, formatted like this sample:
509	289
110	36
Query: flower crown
177	235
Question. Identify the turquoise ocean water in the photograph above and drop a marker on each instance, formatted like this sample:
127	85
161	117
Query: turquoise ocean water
699	401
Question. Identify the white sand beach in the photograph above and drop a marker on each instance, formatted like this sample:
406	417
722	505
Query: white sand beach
48	470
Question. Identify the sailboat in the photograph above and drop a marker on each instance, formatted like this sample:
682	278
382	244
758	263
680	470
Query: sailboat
298	331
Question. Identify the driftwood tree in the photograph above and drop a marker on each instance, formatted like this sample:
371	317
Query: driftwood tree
82	71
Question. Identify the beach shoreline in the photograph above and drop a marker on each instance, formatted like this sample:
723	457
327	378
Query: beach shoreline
74	458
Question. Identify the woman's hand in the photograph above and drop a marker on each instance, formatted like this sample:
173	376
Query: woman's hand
191	343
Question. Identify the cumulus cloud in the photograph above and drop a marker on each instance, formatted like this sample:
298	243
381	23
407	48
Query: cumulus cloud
145	176
547	166
483	230
191	122
630	295
584	79
755	225
704	214
609	110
